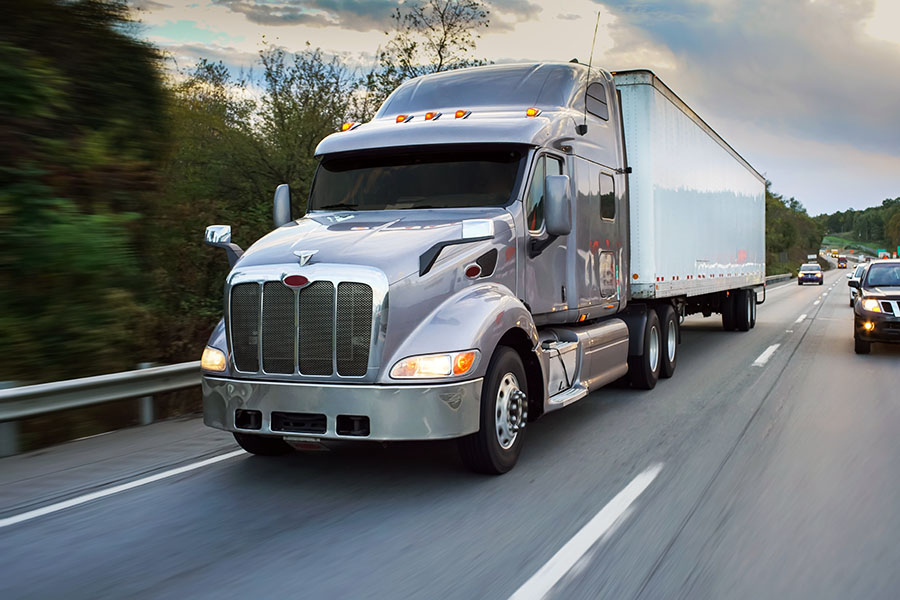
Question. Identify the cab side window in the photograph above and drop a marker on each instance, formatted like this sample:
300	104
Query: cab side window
595	101
534	202
607	198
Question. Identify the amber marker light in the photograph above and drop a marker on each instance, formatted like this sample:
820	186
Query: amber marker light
432	116
532	112
403	118
348	126
461	114
463	362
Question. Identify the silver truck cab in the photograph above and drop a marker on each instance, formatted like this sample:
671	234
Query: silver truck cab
459	272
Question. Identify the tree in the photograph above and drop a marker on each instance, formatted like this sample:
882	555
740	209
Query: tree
427	37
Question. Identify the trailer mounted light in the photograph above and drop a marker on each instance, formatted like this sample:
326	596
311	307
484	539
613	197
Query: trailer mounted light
871	305
213	359
435	366
532	112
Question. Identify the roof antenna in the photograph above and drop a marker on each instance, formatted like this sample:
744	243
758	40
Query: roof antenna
582	129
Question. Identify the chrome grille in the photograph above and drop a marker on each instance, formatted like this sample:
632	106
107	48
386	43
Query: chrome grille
890	307
316	349
298	331
354	328
245	326
279	328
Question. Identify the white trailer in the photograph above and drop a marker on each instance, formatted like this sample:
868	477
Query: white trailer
697	207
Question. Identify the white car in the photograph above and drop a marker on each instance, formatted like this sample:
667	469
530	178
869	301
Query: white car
857	275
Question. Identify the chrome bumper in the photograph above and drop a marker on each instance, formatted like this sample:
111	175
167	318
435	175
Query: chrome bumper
407	412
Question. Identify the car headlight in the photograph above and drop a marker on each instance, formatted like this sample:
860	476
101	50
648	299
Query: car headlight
434	366
871	305
212	360
818	274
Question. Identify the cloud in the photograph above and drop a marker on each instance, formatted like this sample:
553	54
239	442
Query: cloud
806	68
348	14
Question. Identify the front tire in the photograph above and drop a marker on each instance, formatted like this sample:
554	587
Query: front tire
262	445
861	346
668	322
495	447
643	370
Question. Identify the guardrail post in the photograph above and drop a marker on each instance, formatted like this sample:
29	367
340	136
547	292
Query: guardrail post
146	403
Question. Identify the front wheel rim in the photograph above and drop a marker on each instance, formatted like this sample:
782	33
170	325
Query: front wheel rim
510	412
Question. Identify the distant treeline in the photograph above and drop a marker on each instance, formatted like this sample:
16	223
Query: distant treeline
111	167
879	225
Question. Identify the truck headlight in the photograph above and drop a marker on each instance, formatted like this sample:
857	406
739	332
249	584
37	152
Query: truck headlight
433	366
212	360
871	305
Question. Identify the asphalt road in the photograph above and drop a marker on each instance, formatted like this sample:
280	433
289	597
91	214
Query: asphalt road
772	480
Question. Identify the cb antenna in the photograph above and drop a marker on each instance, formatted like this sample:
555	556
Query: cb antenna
582	129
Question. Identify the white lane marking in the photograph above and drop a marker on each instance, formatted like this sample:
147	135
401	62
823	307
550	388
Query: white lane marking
567	556
52	508
800	318
816	302
824	294
763	358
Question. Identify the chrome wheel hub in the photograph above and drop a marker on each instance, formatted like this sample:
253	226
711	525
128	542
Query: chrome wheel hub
653	351
671	344
511	411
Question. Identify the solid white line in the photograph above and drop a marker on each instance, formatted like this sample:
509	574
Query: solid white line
800	318
52	508
766	355
563	561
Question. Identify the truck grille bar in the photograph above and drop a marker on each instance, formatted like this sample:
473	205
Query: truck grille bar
317	330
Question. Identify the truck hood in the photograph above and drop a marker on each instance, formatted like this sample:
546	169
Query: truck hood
391	240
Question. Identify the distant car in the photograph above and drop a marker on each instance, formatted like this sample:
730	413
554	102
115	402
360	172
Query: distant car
809	273
876	314
855	275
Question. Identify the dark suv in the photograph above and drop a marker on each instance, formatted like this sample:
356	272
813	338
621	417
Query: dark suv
877	310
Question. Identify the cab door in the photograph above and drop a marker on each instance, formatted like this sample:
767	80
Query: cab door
545	274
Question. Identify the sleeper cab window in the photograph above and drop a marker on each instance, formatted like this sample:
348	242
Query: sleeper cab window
595	101
607	198
534	202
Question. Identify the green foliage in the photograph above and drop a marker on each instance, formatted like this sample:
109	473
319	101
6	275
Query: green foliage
791	234
877	226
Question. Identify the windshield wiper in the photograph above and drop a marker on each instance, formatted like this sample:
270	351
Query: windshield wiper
337	206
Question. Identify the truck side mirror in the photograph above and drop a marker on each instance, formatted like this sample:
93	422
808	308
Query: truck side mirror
281	211
219	236
557	210
854	283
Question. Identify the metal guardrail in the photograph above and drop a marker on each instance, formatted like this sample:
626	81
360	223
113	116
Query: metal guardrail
777	278
35	400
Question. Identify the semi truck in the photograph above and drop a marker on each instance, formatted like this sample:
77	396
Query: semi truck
495	244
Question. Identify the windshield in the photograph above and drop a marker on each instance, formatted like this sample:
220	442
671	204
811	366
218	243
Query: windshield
810	268
859	271
883	276
455	178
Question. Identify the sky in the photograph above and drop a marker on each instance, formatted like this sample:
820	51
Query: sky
808	91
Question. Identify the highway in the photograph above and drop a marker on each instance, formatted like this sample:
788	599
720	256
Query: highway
767	467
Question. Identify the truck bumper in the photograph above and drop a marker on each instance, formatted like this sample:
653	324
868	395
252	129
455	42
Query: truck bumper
407	412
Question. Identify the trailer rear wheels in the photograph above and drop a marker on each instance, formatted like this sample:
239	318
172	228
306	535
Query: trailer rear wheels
495	448
668	323
743	313
262	445
643	370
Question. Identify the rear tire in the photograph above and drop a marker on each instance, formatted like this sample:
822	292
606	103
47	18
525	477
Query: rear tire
668	323
643	370
743	312
262	445
861	346
728	310
752	308
495	447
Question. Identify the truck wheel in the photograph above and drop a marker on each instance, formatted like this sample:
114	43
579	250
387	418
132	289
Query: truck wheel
861	346
752	308
668	323
644	370
743	313
495	448
262	445
728	310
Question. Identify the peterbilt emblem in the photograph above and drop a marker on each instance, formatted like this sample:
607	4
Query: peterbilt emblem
304	255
